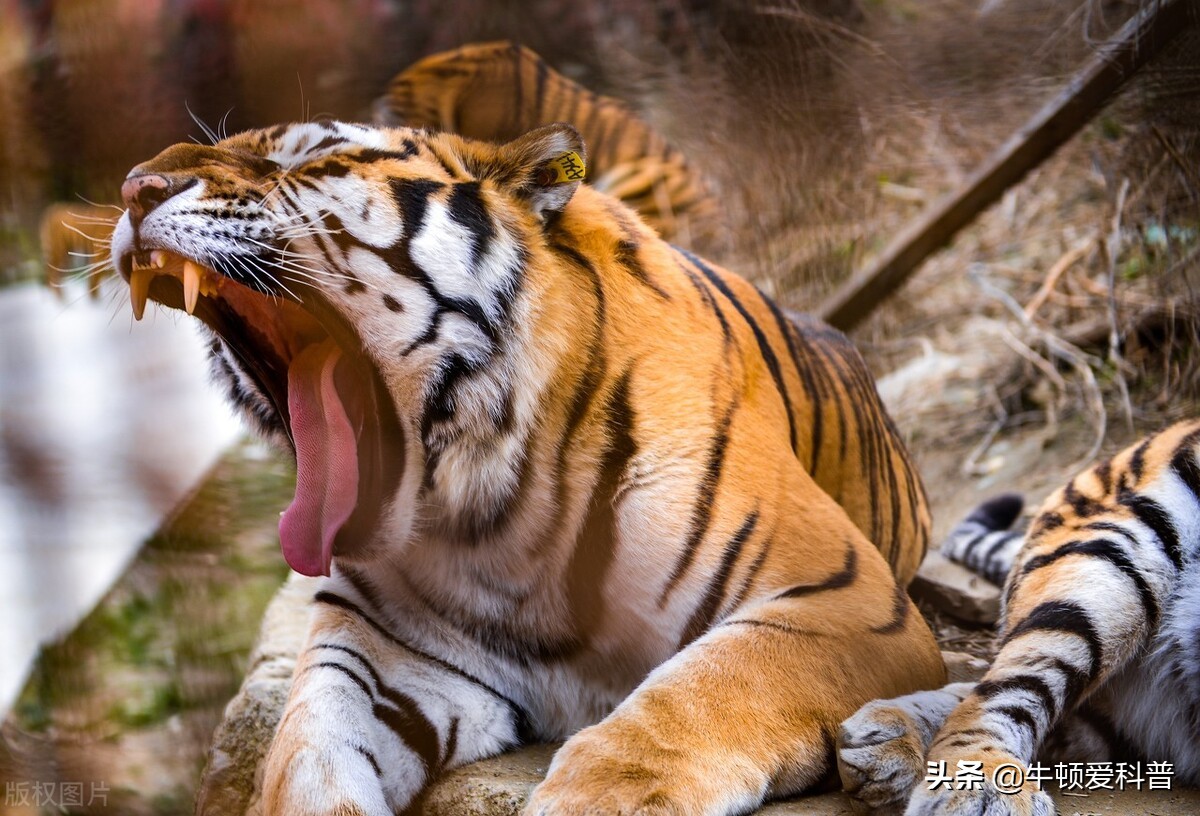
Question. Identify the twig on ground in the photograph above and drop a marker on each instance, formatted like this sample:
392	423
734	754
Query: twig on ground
1059	349
1072	256
971	466
1112	248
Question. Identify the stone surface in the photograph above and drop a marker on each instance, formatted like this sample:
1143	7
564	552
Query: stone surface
964	668
956	590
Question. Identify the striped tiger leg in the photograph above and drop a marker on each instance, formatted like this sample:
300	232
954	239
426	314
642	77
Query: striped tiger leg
370	719
1072	624
708	733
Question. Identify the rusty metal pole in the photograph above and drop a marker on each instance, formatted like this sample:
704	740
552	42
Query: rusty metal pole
1089	89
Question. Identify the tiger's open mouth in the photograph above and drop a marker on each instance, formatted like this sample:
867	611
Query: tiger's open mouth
327	396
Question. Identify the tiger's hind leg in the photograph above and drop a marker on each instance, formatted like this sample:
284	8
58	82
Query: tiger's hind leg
371	719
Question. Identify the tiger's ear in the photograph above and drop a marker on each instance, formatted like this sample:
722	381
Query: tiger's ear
545	166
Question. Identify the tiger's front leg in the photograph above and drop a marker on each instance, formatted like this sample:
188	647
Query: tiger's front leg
750	710
371	720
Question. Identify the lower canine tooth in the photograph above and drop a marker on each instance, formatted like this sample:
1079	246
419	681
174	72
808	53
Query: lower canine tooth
139	290
158	259
191	285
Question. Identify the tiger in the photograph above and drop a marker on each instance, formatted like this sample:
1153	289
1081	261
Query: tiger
1099	657
74	243
498	90
563	480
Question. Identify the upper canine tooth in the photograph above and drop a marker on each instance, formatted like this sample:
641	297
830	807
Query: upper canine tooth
139	290
191	285
158	258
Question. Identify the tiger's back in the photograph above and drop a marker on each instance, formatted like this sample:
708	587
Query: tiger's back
498	91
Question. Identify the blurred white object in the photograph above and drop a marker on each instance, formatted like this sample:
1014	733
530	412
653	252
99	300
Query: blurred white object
105	425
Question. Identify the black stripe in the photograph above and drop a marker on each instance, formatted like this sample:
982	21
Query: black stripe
403	716
466	206
599	139
779	627
998	571
358	681
1006	537
412	197
451	743
439	400
789	333
1112	527
412	728
710	301
899	614
764	347
1075	680
370	757
520	716
589	127
539	97
1152	514
706	610
1108	551
1019	715
1137	462
518	86
839	580
1032	684
1084	506
1061	616
442	159
626	255
751	574
1185	466
966	550
357	655
1045	522
957	742
705	495
369	155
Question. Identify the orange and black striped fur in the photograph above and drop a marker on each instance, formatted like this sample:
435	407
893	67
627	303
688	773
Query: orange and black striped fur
498	91
1100	642
567	480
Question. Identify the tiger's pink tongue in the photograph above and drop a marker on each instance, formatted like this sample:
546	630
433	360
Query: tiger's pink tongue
326	461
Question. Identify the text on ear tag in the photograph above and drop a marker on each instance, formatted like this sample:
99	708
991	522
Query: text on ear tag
566	168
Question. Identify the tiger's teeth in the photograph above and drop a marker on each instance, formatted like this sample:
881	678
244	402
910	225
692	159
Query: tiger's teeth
191	285
139	290
158	259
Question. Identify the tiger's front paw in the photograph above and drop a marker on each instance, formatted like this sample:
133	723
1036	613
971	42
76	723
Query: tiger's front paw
609	770
306	778
999	789
319	767
881	757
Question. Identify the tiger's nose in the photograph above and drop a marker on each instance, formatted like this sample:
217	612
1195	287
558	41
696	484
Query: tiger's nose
143	193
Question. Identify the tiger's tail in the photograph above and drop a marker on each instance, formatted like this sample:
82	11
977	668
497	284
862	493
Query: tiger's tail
984	542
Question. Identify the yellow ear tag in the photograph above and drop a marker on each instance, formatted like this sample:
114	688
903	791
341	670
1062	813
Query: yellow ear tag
565	169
